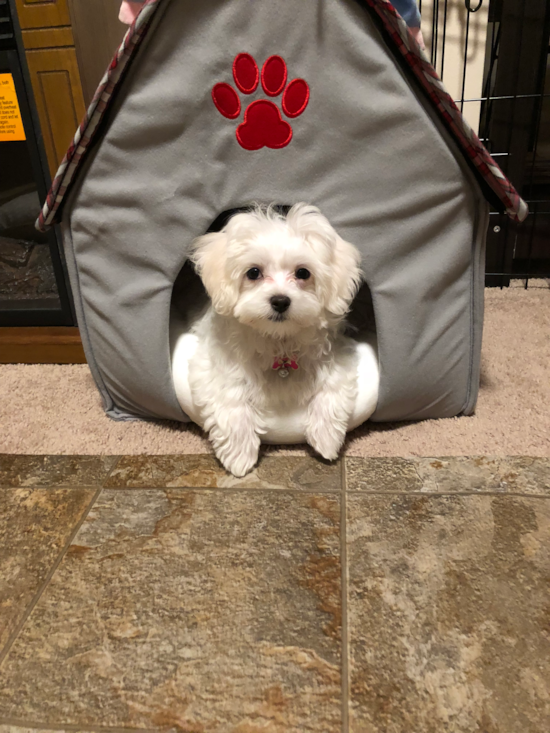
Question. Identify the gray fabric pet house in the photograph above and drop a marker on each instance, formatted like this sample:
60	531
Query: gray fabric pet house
210	106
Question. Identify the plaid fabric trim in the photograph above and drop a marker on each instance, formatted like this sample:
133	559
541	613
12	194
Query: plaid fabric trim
468	141
98	106
398	33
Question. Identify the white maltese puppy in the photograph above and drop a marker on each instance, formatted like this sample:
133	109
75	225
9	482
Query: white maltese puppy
273	339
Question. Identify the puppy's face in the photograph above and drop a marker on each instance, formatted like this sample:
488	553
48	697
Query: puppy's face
279	283
279	275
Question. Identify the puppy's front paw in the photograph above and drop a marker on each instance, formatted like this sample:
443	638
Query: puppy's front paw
238	458
241	465
325	440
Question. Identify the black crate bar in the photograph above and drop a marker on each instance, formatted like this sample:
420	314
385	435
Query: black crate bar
511	115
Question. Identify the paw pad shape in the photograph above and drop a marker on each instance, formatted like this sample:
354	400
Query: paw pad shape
263	124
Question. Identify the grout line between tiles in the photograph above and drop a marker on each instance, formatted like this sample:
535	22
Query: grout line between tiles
113	467
30	608
31	724
316	490
344	590
42	487
227	489
503	494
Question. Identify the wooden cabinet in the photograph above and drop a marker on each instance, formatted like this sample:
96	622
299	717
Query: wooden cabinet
69	45
58	97
52	61
42	13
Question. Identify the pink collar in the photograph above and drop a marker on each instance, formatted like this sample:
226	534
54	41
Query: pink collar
285	362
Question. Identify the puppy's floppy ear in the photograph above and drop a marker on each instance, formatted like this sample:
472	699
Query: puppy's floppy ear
209	255
339	262
346	276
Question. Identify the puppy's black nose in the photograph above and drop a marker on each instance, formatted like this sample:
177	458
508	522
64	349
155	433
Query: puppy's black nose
280	303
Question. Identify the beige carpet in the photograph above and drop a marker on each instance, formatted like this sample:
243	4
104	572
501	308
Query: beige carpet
57	410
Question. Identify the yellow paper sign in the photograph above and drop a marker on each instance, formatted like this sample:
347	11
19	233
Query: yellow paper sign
11	124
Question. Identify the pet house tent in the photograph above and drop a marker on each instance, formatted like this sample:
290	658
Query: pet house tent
347	114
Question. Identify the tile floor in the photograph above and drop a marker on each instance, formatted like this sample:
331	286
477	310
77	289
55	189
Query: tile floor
371	596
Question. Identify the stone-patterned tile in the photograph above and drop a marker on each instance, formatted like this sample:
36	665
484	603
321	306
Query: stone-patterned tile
449	611
458	474
382	474
204	471
22	727
35	525
189	611
17	471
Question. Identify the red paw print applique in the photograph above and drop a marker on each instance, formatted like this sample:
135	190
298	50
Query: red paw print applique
263	125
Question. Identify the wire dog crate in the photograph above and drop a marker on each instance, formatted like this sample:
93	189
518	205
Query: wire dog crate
493	56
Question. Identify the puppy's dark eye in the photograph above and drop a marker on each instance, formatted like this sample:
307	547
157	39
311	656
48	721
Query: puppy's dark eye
302	273
254	273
